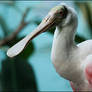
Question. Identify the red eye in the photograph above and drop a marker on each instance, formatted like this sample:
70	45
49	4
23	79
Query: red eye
61	12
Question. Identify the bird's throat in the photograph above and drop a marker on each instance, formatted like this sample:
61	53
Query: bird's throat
63	46
63	42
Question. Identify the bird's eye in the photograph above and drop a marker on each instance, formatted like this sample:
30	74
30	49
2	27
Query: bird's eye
64	11
61	12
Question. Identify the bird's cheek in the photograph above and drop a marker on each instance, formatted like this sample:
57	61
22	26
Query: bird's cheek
88	72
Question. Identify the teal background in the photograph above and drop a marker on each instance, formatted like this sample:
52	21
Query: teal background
46	77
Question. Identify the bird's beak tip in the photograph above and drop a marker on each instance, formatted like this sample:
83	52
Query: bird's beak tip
19	47
9	54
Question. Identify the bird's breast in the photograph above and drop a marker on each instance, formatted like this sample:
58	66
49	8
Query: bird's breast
59	55
64	57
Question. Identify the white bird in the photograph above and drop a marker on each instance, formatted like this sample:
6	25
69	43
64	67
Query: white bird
73	62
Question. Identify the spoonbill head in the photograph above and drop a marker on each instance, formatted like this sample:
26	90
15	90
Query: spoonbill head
71	61
54	17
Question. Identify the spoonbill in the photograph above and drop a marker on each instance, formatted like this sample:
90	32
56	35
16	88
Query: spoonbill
72	62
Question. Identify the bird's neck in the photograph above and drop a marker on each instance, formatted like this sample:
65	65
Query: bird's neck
66	36
63	45
63	41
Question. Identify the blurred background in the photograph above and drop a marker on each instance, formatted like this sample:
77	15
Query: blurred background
32	70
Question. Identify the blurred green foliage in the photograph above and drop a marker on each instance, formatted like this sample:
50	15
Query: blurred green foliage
86	8
4	26
17	75
28	51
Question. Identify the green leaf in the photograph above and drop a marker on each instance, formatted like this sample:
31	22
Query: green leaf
37	22
4	26
86	7
12	42
28	51
17	75
51	30
79	39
